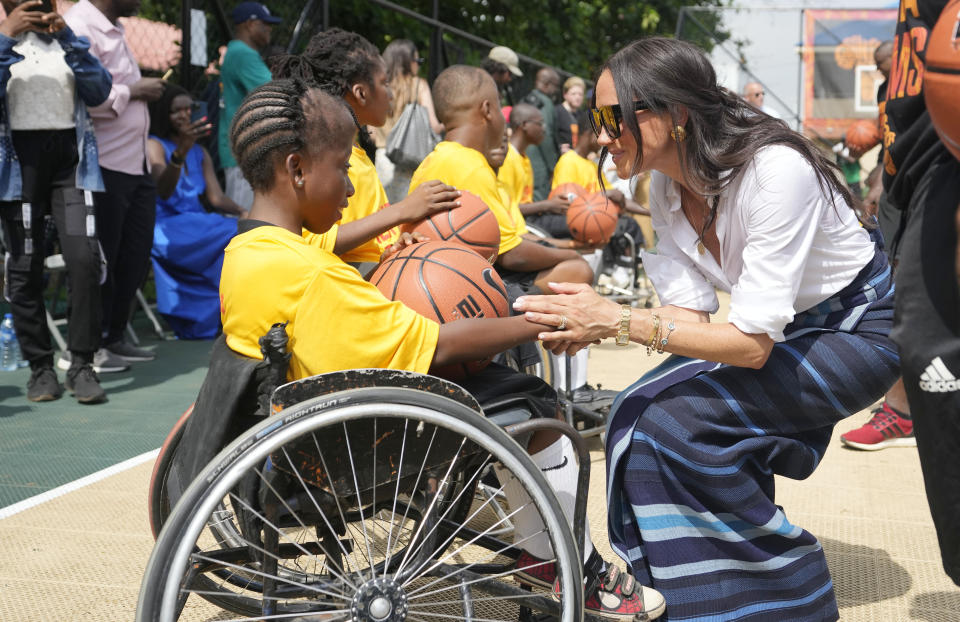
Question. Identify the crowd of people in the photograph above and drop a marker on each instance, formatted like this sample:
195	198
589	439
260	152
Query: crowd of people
737	202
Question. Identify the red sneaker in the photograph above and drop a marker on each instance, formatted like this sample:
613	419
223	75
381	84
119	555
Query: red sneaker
535	571
885	429
618	596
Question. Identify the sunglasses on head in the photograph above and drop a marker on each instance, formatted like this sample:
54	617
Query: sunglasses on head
610	117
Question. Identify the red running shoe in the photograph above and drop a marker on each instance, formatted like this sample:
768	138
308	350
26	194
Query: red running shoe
885	429
618	596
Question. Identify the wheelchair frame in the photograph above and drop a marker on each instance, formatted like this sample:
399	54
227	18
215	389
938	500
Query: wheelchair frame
347	398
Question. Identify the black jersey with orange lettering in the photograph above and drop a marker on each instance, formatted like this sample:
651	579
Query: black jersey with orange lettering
911	145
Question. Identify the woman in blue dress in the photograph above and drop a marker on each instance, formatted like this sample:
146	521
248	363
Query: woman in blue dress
740	203
189	237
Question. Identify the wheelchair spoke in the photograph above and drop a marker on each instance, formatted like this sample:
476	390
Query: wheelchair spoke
356	486
396	495
470	582
433	502
450	617
336	497
281	533
344	614
453	535
259	573
330	564
493	555
439	603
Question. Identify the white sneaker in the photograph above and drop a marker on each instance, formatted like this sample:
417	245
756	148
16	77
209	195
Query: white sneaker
103	362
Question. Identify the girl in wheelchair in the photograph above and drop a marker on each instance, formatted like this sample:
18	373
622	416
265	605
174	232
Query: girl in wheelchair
293	144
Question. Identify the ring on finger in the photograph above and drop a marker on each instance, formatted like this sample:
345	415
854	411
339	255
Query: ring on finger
563	323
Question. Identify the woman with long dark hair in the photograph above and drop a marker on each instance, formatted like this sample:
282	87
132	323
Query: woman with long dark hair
742	204
403	68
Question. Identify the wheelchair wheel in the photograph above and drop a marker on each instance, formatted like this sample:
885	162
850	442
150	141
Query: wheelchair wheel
348	507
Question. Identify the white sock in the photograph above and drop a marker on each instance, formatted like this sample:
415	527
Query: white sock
578	369
558	462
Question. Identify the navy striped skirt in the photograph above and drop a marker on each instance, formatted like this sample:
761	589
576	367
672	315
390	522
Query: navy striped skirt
693	447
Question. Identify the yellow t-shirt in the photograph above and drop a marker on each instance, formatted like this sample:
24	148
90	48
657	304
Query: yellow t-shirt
336	319
574	168
467	169
327	241
368	197
516	175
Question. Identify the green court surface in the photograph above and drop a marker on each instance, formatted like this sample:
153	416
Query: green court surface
49	444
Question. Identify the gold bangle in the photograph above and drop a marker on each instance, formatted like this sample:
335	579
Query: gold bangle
653	337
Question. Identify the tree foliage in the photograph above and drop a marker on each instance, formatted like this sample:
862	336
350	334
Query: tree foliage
574	35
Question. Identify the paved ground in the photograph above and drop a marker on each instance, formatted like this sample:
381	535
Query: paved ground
80	556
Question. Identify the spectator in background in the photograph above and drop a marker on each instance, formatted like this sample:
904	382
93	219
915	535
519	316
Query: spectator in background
754	93
242	71
125	211
544	156
188	241
891	424
48	160
567	127
502	64
403	64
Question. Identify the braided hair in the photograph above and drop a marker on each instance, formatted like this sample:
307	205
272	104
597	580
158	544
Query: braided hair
277	119
335	60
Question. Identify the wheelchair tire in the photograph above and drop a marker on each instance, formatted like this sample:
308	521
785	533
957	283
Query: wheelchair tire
158	504
341	580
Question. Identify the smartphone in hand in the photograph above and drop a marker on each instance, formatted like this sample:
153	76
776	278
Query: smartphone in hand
198	110
46	6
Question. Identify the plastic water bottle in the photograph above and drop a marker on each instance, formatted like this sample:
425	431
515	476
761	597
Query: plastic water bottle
10	356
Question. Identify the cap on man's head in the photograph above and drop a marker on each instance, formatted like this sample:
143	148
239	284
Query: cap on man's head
508	57
245	11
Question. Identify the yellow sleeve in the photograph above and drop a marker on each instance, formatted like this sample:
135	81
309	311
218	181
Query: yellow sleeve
368	197
564	172
344	322
325	241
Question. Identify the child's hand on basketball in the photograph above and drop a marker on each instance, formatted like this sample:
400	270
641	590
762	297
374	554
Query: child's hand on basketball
558	204
617	197
429	198
405	240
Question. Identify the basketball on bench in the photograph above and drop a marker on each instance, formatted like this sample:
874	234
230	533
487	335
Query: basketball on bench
569	190
863	135
472	224
592	219
941	77
444	282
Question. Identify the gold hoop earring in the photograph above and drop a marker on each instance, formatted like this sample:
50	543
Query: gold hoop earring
678	133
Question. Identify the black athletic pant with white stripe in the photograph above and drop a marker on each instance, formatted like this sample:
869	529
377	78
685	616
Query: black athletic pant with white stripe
48	164
927	331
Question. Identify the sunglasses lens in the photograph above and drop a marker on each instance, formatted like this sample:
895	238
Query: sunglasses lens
610	121
595	121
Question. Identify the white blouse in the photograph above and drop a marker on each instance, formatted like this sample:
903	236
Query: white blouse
784	247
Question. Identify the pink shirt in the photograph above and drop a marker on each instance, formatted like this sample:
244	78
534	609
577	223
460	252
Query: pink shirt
121	124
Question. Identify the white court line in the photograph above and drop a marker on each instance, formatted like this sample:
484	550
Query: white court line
59	491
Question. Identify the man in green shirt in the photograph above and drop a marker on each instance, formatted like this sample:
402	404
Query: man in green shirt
543	157
242	71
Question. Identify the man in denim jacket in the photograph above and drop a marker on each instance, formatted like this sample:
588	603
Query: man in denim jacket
48	166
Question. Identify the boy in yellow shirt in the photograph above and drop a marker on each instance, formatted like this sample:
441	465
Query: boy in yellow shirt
466	102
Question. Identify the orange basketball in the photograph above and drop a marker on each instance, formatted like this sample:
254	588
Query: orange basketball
863	135
569	190
941	78
444	282
592	219
472	224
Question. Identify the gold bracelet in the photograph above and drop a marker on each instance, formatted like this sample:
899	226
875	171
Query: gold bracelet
653	337
671	326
